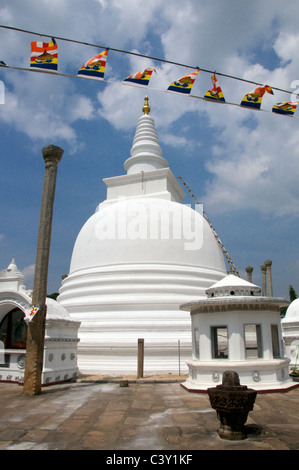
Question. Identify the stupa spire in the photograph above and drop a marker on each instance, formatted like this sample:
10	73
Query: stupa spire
146	109
146	153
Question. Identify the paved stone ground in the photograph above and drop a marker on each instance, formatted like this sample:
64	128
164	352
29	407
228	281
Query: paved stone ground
93	415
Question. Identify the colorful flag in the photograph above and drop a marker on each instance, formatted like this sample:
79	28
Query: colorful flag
30	313
184	84
95	67
141	78
254	98
215	93
286	107
44	55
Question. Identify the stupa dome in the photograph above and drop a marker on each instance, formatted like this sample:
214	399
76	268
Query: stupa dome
146	230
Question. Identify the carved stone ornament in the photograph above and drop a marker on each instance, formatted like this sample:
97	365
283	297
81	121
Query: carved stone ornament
232	402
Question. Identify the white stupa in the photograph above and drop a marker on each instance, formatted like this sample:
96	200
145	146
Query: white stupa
135	261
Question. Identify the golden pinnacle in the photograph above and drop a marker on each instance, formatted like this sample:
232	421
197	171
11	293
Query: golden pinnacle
146	109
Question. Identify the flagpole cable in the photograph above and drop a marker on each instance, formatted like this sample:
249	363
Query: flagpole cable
232	267
140	55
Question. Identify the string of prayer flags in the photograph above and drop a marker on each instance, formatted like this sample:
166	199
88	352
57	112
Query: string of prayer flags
44	55
254	98
141	78
287	108
184	84
215	93
94	68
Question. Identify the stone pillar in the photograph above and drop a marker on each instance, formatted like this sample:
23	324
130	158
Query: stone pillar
249	270
268	264
36	327
264	281
140	359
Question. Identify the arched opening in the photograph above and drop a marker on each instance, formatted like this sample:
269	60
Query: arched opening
13	330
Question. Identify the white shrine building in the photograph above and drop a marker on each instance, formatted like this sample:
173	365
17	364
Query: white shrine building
290	333
135	261
61	333
236	328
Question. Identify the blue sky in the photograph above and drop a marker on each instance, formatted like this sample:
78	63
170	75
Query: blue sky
242	165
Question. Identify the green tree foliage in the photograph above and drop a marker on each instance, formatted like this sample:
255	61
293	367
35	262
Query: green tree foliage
53	296
293	296
292	293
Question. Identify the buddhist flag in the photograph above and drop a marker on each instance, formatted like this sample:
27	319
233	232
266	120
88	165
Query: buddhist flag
215	93
141	78
254	98
94	68
184	84
287	108
30	313
44	55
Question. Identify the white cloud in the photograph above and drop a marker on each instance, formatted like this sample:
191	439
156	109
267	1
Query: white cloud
28	273
80	107
177	141
5	14
286	45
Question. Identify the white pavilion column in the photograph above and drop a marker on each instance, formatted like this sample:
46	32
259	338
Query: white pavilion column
205	346
267	341
236	346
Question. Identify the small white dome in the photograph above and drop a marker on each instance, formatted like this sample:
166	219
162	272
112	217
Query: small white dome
232	285
55	311
292	313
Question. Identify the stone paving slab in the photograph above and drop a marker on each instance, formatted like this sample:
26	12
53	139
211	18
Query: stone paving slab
151	416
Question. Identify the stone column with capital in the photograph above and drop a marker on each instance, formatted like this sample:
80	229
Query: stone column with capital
36	327
264	280
268	264
249	270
